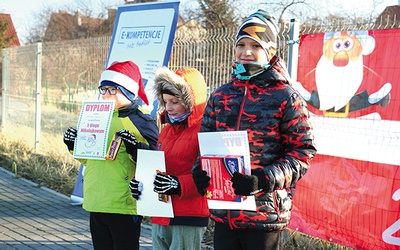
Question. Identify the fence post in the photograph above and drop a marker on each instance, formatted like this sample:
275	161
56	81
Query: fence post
5	80
293	56
38	110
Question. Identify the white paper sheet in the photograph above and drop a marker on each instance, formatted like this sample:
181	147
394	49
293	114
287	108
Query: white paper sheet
149	161
228	142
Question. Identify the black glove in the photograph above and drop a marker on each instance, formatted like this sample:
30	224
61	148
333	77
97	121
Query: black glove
130	142
249	184
136	188
166	184
69	137
201	179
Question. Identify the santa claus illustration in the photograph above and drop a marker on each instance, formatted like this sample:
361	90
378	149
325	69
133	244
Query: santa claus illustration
339	75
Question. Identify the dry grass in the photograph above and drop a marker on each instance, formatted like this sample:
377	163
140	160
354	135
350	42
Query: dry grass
55	170
49	164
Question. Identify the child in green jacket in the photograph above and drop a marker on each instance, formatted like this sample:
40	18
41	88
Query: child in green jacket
114	223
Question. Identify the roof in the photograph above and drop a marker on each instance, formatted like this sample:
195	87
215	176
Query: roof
66	26
11	33
389	14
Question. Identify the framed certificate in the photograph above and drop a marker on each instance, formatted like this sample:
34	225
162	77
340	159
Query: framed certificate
93	126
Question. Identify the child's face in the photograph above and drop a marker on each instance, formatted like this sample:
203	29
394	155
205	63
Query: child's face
248	51
120	99
173	105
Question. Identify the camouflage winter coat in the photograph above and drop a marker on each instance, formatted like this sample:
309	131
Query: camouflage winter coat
281	141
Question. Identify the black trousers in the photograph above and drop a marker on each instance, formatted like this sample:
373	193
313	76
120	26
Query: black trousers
244	239
115	231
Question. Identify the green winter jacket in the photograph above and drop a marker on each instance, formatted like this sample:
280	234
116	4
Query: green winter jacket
106	182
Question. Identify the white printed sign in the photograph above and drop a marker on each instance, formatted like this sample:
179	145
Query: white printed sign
144	34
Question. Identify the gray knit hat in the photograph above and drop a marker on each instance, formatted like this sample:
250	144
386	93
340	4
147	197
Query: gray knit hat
260	27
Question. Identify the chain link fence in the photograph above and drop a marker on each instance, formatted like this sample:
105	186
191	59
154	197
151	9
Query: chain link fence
68	73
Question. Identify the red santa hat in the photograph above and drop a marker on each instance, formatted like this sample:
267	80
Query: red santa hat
127	75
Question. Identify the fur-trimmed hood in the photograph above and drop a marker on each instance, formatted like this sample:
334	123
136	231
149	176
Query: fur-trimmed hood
187	84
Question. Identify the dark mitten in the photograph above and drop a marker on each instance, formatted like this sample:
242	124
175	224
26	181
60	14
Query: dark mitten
136	188
69	138
130	142
201	180
249	184
166	184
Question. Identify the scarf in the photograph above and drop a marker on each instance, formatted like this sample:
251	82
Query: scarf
249	70
178	118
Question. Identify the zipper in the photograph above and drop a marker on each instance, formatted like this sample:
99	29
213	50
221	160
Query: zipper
237	129
229	219
242	106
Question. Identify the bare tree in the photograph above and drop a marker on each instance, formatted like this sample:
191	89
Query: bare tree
210	13
91	8
217	13
37	25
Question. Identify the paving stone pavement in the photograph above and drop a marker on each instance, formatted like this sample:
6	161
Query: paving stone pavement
33	217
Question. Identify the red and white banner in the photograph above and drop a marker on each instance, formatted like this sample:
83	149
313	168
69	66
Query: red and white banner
351	194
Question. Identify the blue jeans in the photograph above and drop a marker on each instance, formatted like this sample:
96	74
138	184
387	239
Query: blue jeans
177	237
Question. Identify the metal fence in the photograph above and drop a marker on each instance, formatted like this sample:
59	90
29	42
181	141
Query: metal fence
43	85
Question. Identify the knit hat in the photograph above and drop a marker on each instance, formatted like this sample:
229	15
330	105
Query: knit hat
177	84
128	78
260	27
